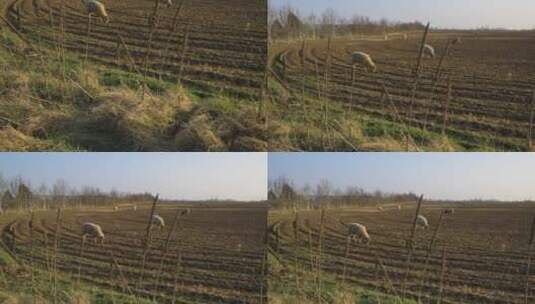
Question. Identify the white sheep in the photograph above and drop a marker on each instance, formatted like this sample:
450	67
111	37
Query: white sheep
158	221
94	7
364	60
399	207
509	76
381	209
429	50
115	208
358	233
94	231
422	221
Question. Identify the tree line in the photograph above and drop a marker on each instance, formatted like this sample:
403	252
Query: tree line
287	22
17	193
284	194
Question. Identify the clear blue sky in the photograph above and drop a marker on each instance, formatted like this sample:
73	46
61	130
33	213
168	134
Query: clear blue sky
514	14
504	176
240	176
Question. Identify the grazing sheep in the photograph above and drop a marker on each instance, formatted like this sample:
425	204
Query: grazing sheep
509	76
422	221
185	212
456	40
115	208
380	208
364	60
94	231
429	50
358	233
450	211
158	221
94	7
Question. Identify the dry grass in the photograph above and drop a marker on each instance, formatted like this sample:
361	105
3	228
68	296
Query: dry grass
13	140
97	108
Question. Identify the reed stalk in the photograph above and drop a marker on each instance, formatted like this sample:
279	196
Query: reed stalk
147	242
529	259
446	109
428	255
166	246
410	248
531	120
442	276
57	236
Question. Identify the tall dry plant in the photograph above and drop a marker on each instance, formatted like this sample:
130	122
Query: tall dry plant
319	256
436	81
172	29
397	117
57	236
531	120
386	278
295	227
442	276
306	113
80	257
154	19
31	224
346	257
410	248
124	279
178	268
148	238
133	65
421	53
310	245
183	53
328	62
88	34
416	72
163	257
446	107
263	270
428	255
529	259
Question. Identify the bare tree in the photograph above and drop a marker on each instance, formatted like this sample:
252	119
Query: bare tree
276	185
59	192
329	19
4	185
323	188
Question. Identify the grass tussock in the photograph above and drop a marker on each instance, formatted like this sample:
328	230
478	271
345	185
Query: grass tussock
52	104
21	284
345	130
283	289
13	140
